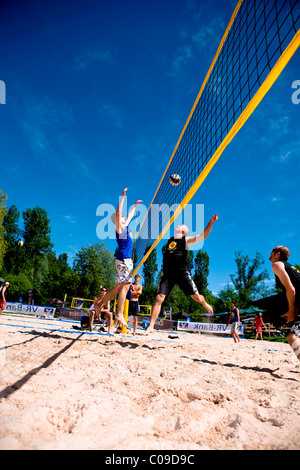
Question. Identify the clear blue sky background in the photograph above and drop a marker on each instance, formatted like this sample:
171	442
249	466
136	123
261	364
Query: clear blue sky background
97	95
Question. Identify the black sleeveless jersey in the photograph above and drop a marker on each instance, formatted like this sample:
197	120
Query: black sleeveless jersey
175	256
294	275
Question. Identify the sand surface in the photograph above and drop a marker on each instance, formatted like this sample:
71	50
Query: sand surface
62	389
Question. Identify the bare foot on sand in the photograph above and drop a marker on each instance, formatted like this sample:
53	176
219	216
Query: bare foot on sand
148	331
122	320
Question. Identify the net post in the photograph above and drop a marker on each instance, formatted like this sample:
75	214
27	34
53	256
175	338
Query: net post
125	313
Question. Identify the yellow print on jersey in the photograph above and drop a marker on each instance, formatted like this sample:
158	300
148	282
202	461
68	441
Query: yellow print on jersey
172	245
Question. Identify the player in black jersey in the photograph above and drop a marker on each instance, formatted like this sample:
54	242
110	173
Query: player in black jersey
289	278
176	269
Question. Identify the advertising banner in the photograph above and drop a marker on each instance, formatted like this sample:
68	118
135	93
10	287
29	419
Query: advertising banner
208	327
37	310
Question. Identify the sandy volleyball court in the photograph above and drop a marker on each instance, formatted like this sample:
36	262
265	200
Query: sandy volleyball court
64	389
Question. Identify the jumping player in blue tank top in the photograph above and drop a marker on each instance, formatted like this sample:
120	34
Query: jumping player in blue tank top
124	263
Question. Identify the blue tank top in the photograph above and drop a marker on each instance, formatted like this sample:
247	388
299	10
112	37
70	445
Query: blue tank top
125	244
235	317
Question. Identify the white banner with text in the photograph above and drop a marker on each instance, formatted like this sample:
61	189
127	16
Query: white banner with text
209	327
36	310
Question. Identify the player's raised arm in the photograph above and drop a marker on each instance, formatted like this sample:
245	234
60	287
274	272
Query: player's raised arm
204	234
131	213
120	219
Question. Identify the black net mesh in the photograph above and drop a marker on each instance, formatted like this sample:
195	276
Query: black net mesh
259	34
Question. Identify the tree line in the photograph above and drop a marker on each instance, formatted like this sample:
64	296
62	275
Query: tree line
35	266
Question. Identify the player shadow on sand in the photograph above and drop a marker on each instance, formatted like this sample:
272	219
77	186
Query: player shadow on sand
10	389
254	368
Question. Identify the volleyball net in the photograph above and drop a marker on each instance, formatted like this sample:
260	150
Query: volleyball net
259	41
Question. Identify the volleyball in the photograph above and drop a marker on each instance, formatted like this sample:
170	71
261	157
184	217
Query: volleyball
175	180
20	242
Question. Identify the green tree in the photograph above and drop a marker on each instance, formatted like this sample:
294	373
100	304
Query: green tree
36	233
150	268
11	224
201	273
3	210
178	301
108	263
228	295
19	286
94	266
37	245
248	280
52	282
14	256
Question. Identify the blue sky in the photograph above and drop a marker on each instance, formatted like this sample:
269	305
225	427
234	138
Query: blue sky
97	94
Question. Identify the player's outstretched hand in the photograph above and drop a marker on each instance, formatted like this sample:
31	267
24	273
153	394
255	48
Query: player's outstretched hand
290	316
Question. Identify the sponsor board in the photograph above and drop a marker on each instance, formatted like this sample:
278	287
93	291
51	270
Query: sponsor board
37	310
208	327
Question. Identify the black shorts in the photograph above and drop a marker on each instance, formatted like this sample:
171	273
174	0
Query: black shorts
183	281
134	308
